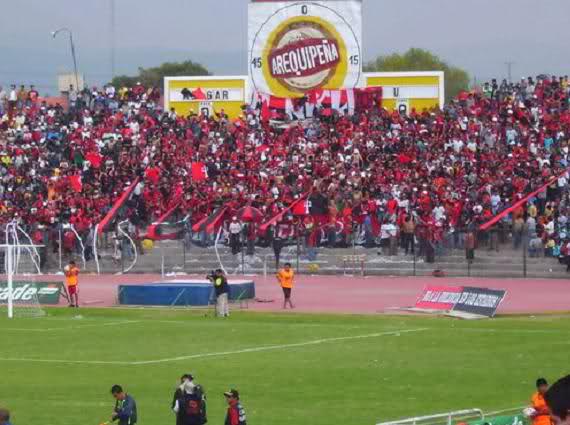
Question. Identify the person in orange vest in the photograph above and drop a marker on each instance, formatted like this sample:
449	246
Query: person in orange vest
285	276
71	281
541	414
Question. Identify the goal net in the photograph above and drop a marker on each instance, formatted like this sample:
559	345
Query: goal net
26	297
21	294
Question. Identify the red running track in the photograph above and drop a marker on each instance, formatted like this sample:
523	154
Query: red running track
342	294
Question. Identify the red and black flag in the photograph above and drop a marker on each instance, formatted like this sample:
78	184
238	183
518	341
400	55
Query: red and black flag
249	214
162	229
211	223
112	214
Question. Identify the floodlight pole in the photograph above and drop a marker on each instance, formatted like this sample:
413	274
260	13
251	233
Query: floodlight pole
72	46
509	70
112	10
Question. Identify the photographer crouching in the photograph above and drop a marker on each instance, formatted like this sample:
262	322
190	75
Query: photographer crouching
222	289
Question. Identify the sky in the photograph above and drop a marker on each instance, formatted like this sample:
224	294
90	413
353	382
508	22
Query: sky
477	35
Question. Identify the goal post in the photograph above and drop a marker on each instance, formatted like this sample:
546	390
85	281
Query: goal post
10	280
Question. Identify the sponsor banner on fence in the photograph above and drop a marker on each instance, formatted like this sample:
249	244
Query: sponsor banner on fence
47	292
480	301
441	298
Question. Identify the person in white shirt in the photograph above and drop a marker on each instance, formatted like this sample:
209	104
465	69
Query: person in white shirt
12	98
458	145
549	227
389	238
235	232
438	212
3	100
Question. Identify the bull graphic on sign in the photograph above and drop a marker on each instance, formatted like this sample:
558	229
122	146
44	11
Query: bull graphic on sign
187	94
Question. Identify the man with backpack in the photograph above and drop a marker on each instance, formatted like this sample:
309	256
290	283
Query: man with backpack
190	403
221	289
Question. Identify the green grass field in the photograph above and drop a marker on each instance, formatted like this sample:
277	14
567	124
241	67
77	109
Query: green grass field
290	369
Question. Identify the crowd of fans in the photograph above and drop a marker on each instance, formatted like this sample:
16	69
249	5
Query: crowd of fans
427	179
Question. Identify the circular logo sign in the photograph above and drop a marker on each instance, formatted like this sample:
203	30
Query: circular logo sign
304	56
293	55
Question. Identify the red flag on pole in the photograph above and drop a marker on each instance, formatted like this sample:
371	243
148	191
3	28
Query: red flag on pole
301	208
199	171
95	159
75	183
279	216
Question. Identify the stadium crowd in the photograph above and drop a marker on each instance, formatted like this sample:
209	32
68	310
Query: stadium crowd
431	176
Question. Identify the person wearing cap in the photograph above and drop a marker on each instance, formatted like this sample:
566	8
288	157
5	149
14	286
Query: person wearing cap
236	413
235	232
189	402
541	415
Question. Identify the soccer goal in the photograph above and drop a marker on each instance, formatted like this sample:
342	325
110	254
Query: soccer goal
20	291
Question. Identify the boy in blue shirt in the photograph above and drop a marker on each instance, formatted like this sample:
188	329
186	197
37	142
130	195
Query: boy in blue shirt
125	412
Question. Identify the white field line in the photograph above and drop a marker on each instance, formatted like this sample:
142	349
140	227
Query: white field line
528	331
68	328
301	325
219	353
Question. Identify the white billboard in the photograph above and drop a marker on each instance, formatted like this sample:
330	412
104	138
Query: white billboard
299	46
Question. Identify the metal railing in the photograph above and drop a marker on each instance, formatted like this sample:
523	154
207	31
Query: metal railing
449	416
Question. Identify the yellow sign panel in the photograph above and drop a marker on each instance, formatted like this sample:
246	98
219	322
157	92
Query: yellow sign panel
205	95
405	91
